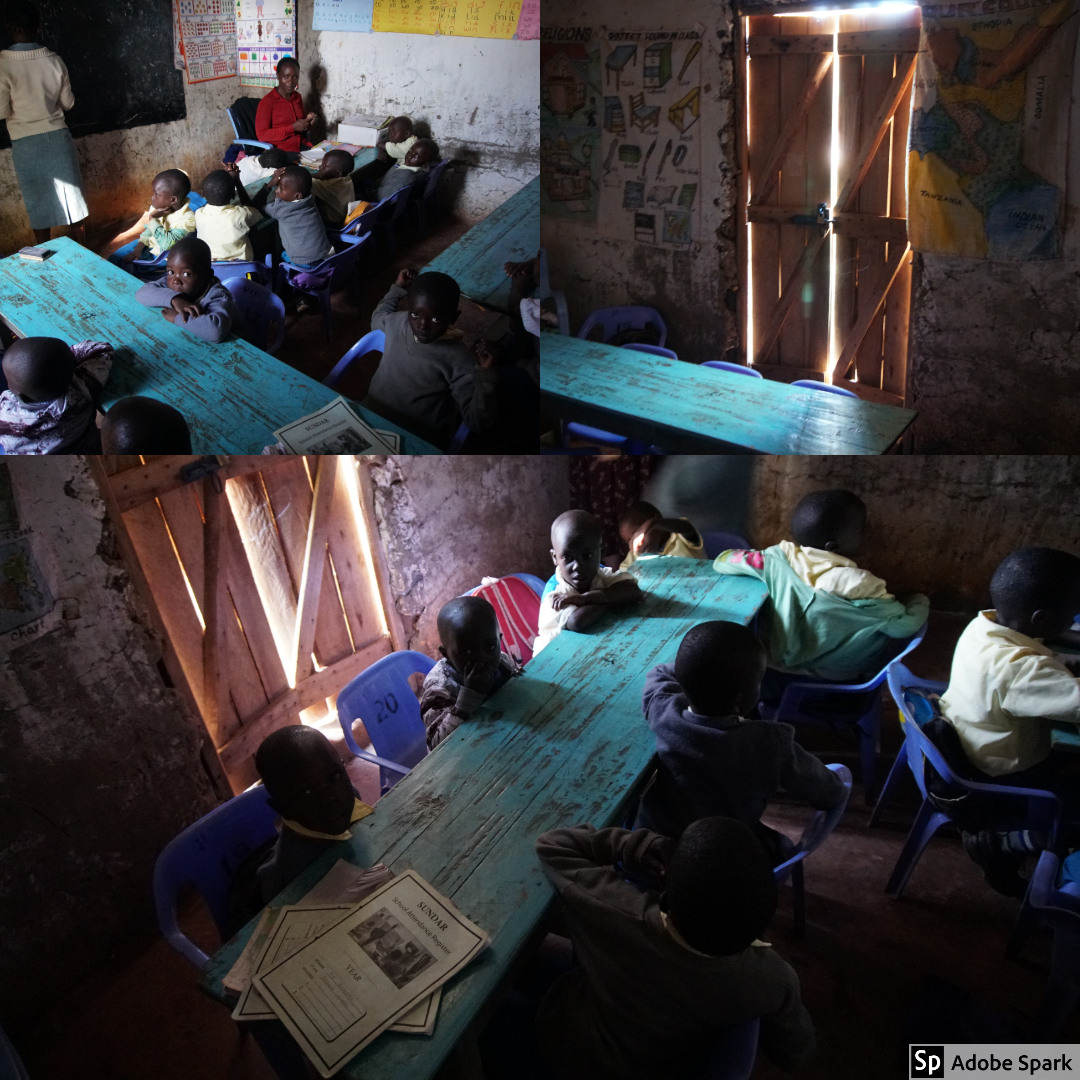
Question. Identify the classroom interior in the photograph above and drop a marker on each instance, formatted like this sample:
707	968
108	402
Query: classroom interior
474	95
157	626
781	141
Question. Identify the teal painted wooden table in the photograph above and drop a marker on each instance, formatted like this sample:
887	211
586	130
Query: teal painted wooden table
510	233
563	744
686	408
232	395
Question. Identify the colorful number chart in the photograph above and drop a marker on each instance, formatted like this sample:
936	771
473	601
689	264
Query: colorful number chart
207	39
265	33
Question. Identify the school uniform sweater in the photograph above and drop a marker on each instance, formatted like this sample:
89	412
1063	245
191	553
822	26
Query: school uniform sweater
34	86
332	198
220	313
644	1005
226	229
303	235
430	388
274	120
722	766
398	177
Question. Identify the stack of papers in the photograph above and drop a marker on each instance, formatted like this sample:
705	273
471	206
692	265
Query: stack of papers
312	157
339	974
335	429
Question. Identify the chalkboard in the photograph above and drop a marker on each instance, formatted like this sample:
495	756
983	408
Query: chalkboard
119	54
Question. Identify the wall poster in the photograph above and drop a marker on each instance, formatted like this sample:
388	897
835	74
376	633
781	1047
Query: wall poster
265	33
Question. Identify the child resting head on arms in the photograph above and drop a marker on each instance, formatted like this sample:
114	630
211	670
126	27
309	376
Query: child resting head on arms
473	666
581	588
648	532
303	235
171	216
427	380
308	786
713	761
396	139
662	973
142	425
332	187
252	169
223	225
828	618
191	296
49	405
421	156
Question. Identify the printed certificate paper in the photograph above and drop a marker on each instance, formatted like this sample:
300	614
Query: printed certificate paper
348	985
334	429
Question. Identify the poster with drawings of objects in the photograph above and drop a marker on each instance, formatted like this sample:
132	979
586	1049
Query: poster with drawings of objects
569	124
207	39
650	158
265	33
399	956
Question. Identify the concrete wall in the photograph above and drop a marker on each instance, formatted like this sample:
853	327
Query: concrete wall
938	525
99	762
447	522
479	97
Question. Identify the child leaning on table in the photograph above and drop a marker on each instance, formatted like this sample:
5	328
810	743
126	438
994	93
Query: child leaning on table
581	587
648	532
189	294
427	380
828	618
663	973
472	668
713	761
49	406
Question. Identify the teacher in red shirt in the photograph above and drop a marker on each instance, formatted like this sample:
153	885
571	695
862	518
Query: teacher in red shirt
280	118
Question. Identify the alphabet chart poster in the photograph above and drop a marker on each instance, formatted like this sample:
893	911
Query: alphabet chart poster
207	39
265	33
461	18
353	15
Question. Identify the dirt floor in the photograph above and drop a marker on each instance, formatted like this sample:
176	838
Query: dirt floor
875	971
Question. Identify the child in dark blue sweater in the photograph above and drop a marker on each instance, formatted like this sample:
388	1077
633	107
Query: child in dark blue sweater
713	761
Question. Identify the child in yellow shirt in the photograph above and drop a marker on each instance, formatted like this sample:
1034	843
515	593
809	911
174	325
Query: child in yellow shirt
221	223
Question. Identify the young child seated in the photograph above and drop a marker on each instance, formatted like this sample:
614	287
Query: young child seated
253	169
664	973
49	404
332	187
1006	687
713	761
395	140
171	216
303	235
222	224
581	588
191	296
473	666
828	618
416	163
648	532
427	380
141	425
309	787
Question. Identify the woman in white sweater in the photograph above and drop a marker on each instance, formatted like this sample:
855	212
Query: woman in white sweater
34	92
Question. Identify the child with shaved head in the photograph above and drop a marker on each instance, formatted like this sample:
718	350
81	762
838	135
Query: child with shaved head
303	234
171	217
52	387
472	668
332	187
581	588
647	532
141	425
828	618
308	786
427	381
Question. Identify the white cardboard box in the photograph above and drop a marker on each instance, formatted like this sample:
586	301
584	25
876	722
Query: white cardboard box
360	129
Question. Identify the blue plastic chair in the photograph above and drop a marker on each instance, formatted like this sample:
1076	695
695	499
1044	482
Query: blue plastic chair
652	350
733	1054
825	388
1057	907
1043	808
716	542
230	269
738	369
373	341
424	205
383	701
264	313
614	320
342	264
813	836
808	703
206	855
241	138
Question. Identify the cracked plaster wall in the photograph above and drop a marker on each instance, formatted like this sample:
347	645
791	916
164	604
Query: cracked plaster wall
938	524
447	522
99	762
689	288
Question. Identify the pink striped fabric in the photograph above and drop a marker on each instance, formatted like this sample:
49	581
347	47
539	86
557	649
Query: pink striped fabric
517	608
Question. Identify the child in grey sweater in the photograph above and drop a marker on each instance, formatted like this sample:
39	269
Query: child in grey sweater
427	380
303	235
191	296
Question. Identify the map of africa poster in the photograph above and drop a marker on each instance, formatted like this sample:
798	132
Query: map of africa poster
989	128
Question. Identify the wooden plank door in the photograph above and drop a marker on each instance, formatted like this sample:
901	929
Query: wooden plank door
826	99
266	580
